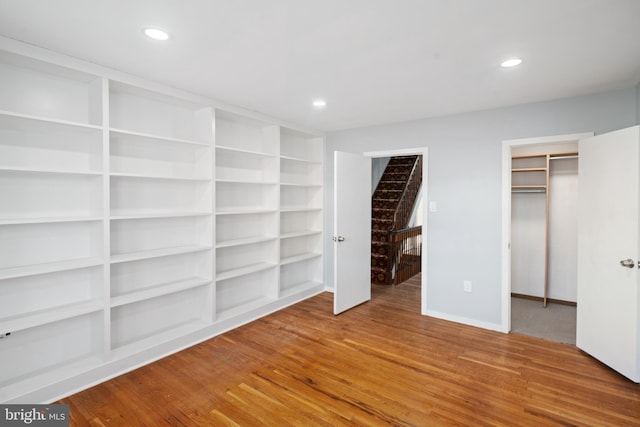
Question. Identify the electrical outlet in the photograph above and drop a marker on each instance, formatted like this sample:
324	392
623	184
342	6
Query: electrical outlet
467	286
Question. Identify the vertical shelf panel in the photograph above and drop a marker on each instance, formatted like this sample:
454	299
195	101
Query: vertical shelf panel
301	204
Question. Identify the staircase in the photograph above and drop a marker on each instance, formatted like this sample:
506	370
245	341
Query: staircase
392	204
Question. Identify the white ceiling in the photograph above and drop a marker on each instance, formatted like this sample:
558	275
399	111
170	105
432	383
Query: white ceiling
374	61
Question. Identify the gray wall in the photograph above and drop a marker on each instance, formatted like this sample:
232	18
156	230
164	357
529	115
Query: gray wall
464	173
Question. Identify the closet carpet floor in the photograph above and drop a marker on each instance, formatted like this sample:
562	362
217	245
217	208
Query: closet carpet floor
557	322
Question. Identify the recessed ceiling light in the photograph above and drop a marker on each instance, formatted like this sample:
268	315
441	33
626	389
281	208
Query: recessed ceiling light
319	103
156	34
511	62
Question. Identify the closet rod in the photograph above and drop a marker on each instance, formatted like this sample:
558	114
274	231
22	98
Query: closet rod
575	156
528	191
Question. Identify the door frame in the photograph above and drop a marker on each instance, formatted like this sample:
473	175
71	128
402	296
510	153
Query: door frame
424	152
507	145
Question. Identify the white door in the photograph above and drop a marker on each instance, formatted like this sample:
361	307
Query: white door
352	230
607	313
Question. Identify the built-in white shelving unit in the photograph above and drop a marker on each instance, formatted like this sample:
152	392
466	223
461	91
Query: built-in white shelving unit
301	177
161	193
136	220
51	223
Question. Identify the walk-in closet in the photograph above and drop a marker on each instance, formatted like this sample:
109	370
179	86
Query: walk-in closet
544	194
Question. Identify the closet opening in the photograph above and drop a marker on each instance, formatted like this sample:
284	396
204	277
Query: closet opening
540	270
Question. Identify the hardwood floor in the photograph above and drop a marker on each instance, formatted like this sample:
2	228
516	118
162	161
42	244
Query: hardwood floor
378	364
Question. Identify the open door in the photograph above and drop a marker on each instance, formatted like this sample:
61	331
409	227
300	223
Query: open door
352	235
608	216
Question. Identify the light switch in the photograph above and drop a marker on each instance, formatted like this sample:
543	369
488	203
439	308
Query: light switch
467	286
433	206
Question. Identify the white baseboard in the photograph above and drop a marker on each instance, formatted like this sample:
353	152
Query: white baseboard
467	321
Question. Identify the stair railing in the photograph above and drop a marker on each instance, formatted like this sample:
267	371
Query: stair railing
405	253
405	244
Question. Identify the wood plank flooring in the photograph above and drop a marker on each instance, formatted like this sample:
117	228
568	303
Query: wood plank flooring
380	363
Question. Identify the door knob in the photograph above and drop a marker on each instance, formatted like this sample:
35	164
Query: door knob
629	263
338	239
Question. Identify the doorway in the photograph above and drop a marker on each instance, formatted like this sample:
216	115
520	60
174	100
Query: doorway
529	315
422	278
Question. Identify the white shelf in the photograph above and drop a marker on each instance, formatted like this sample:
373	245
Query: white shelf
34	118
300	209
159	290
300	159
50	375
297	258
237	272
243	308
157	339
47	220
246	241
300	287
157	253
50	267
157	137
50	315
246	211
146	176
44	171
300	234
243	151
159	215
238	181
170	177
294	184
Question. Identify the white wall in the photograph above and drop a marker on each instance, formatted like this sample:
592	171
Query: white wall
563	230
464	171
378	165
528	230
